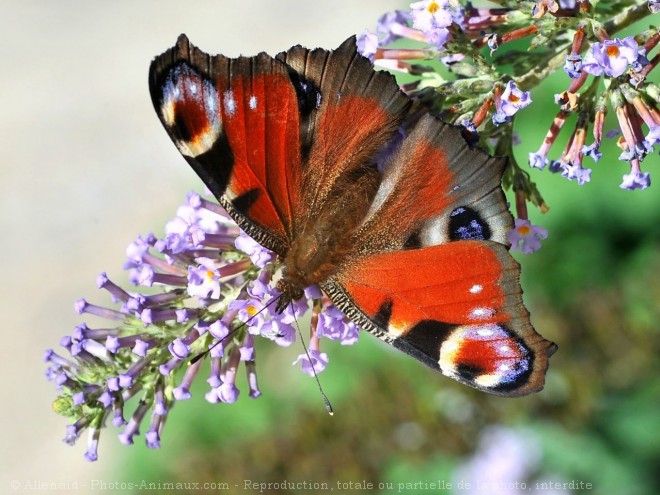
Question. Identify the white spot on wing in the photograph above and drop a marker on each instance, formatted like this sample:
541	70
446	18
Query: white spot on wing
253	102
210	103
476	288
481	313
485	332
229	103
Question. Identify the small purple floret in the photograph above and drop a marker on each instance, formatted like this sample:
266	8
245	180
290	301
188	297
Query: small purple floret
367	44
611	57
573	65
228	393
512	100
636	180
259	255
179	349
576	172
317	361
536	160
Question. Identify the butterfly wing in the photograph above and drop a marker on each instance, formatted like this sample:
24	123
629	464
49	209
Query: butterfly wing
432	274
278	140
269	136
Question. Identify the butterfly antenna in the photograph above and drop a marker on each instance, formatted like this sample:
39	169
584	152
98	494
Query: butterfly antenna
328	406
232	332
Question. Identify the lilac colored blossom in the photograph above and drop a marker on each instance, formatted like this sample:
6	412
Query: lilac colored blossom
192	224
543	6
334	325
252	380
179	349
639	151
367	44
387	24
511	100
576	172
258	254
78	398
294	311
592	151
654	6
428	15
152	439
193	313
92	445
438	37
228	393
433	18
283	334
653	137
573	65
636	180
537	160
611	57
316	362
247	348
250	312
218	329
204	279
641	61
525	237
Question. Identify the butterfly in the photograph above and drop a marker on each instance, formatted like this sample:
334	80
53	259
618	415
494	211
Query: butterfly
405	233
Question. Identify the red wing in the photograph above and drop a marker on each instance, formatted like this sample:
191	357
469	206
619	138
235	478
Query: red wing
435	189
456	307
236	121
430	272
358	112
270	137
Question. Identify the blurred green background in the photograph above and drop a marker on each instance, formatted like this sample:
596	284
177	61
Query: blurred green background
593	289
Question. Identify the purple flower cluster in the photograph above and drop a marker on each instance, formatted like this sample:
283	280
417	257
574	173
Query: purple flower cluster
431	20
612	58
214	296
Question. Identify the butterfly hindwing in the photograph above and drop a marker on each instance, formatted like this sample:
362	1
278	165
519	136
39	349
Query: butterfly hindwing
431	273
456	307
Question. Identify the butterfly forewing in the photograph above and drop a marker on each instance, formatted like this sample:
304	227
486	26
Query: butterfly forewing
236	121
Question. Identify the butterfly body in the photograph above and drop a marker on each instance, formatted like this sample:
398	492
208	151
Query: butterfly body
406	235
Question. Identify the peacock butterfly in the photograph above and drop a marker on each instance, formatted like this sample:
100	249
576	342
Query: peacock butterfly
406	235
